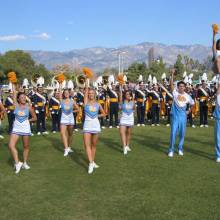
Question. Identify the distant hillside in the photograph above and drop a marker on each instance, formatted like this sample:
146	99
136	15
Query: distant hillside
99	58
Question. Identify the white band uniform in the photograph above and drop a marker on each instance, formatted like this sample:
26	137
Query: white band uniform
67	117
21	125
91	123
127	117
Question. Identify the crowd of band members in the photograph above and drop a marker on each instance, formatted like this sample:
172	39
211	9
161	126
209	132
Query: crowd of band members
152	103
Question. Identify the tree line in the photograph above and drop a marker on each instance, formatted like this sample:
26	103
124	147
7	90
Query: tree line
25	67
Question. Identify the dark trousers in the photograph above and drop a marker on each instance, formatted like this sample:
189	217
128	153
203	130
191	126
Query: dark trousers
190	118
155	111
41	122
75	115
113	113
203	109
55	122
168	110
140	113
11	118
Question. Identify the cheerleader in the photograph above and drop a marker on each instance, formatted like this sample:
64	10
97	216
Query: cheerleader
127	119
179	114
216	53
91	127
68	107
21	127
216	115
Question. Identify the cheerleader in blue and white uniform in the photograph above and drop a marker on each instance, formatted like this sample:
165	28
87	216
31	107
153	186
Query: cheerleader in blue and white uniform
216	115
216	54
179	114
68	107
21	127
91	126
127	107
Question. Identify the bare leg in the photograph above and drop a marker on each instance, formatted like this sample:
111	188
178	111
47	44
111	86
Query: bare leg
70	135
87	144
94	142
12	146
128	135
123	135
63	133
26	148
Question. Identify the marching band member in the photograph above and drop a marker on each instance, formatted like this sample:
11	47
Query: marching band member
217	124
155	97
101	101
127	106
40	101
178	114
21	127
54	108
114	106
68	106
10	107
190	91
91	127
80	103
140	98
203	96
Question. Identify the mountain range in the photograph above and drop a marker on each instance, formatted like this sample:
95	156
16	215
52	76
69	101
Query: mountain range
99	58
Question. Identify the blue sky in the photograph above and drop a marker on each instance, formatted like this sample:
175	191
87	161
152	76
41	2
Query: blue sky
68	24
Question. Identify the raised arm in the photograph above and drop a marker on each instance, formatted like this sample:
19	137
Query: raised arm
214	43
86	91
60	92
171	79
120	95
14	95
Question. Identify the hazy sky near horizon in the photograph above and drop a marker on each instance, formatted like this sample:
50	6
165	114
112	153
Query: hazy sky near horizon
61	25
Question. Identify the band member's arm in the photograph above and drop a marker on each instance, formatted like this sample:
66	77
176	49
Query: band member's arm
33	115
103	114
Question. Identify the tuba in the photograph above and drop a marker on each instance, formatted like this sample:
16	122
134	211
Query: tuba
80	81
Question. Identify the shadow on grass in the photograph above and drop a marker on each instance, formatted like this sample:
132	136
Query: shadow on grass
79	157
108	142
151	142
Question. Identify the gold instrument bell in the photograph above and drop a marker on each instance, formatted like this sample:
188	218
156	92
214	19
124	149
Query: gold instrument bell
80	81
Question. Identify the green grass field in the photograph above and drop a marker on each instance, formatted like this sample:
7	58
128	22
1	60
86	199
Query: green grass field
145	184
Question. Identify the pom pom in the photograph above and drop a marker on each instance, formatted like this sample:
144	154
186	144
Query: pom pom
215	28
12	77
120	79
88	72
60	77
